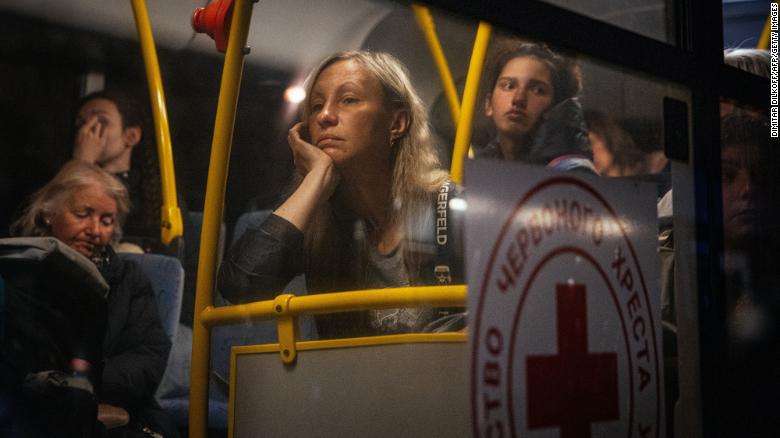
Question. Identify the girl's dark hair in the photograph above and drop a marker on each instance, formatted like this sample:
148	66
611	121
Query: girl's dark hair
565	72
628	158
144	159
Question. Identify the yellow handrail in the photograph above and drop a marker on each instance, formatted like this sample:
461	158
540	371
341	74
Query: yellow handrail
463	133
171	223
447	296
763	41
425	21
213	209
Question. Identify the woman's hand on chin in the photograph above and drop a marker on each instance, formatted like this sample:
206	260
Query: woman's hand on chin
310	159
320	179
306	156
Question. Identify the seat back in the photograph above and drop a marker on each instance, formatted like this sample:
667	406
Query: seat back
385	386
192	230
167	277
247	220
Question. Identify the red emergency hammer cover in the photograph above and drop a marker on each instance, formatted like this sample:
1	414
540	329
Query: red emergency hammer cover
214	20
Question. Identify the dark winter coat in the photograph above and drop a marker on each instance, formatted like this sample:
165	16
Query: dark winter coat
135	347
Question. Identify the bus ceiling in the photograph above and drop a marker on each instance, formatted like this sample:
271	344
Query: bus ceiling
273	39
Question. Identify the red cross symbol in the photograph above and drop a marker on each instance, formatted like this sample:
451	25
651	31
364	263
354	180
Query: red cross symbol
574	388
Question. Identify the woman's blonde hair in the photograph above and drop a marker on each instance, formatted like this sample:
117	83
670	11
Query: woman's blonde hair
51	198
417	172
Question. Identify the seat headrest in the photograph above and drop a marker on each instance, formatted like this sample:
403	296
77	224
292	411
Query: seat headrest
59	255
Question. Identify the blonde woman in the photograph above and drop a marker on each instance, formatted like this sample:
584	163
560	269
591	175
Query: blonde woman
363	215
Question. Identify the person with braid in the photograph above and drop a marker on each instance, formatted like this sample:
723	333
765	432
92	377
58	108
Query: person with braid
111	133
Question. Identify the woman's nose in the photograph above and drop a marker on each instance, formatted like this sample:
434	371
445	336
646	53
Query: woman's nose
327	115
747	187
520	96
745	184
93	227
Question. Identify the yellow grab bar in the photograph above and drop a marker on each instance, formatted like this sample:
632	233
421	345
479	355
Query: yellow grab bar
447	296
213	209
171	223
763	41
425	21
286	308
463	132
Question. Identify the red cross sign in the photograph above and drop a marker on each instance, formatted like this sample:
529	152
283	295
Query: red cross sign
564	308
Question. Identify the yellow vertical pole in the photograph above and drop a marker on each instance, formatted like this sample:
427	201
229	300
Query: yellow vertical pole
463	133
763	41
213	209
171	215
425	22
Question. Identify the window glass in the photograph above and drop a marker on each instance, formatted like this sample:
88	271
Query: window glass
743	22
749	191
317	202
623	112
746	38
650	18
578	112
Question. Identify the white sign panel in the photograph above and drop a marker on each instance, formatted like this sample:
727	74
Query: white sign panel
565	330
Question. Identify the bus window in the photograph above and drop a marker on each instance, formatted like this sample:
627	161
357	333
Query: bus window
650	18
744	24
556	109
621	131
749	188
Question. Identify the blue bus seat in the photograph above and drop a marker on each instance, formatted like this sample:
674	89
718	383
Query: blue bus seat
192	230
167	277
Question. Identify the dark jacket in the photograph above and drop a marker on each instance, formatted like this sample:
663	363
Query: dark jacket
561	141
268	256
135	346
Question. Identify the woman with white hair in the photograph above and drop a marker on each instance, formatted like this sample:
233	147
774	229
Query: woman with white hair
363	214
84	207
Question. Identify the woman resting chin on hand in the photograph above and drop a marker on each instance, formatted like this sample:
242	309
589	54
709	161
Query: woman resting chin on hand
369	178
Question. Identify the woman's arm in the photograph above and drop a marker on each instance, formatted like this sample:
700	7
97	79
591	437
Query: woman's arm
266	258
263	260
320	179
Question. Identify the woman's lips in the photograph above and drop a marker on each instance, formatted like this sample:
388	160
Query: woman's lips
327	139
747	214
84	247
516	116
